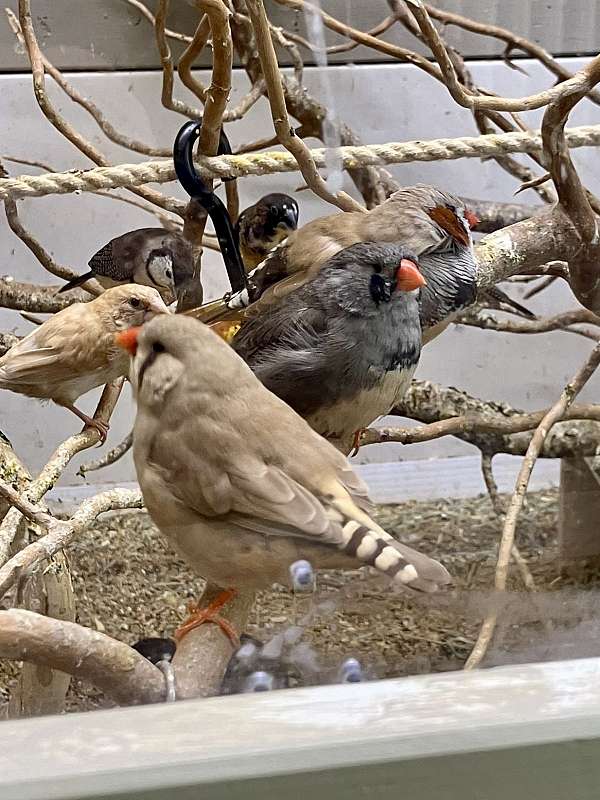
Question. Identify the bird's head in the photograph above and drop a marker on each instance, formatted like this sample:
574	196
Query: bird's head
389	268
130	305
159	267
168	349
451	216
435	220
280	212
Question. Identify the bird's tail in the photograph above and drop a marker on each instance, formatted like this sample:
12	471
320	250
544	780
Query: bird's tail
375	547
502	298
75	282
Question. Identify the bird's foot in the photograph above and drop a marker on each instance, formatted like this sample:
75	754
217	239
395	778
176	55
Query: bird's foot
100	426
198	616
90	422
356	441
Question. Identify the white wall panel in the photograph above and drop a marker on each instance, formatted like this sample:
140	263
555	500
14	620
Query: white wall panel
383	103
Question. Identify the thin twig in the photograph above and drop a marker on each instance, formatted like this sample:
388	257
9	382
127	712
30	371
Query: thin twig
58	463
166	60
81	143
189	55
285	132
486	321
93	110
463	96
553	415
512	41
492	489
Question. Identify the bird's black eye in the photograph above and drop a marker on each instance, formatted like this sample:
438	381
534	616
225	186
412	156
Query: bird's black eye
158	347
380	288
169	274
135	302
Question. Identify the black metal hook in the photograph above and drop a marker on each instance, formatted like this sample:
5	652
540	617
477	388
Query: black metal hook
216	209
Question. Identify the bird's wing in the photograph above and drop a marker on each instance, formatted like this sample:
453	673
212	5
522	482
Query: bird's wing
272	503
58	343
33	364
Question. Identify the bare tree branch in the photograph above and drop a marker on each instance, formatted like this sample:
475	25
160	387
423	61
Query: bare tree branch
285	133
115	668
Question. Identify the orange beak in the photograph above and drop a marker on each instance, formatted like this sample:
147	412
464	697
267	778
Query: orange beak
408	276
472	219
128	340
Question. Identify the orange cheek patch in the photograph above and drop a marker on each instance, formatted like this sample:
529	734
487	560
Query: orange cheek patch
128	340
472	219
448	220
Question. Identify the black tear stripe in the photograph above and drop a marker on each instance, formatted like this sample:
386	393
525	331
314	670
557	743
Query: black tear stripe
150	359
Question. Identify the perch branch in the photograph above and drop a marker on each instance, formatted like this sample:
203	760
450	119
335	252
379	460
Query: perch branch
214	107
32	297
202	655
60	533
473	423
429	403
573	199
113	667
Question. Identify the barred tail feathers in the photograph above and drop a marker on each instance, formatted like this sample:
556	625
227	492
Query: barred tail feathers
375	547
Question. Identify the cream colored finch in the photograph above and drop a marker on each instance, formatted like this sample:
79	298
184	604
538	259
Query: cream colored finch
240	483
74	351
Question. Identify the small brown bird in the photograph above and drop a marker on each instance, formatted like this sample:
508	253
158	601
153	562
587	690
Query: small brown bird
432	224
74	351
264	225
239	482
148	256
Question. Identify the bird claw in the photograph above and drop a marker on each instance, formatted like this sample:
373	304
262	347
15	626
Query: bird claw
356	441
198	616
100	426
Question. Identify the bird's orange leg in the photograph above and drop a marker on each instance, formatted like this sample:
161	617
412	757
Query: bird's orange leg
90	422
356	441
198	616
